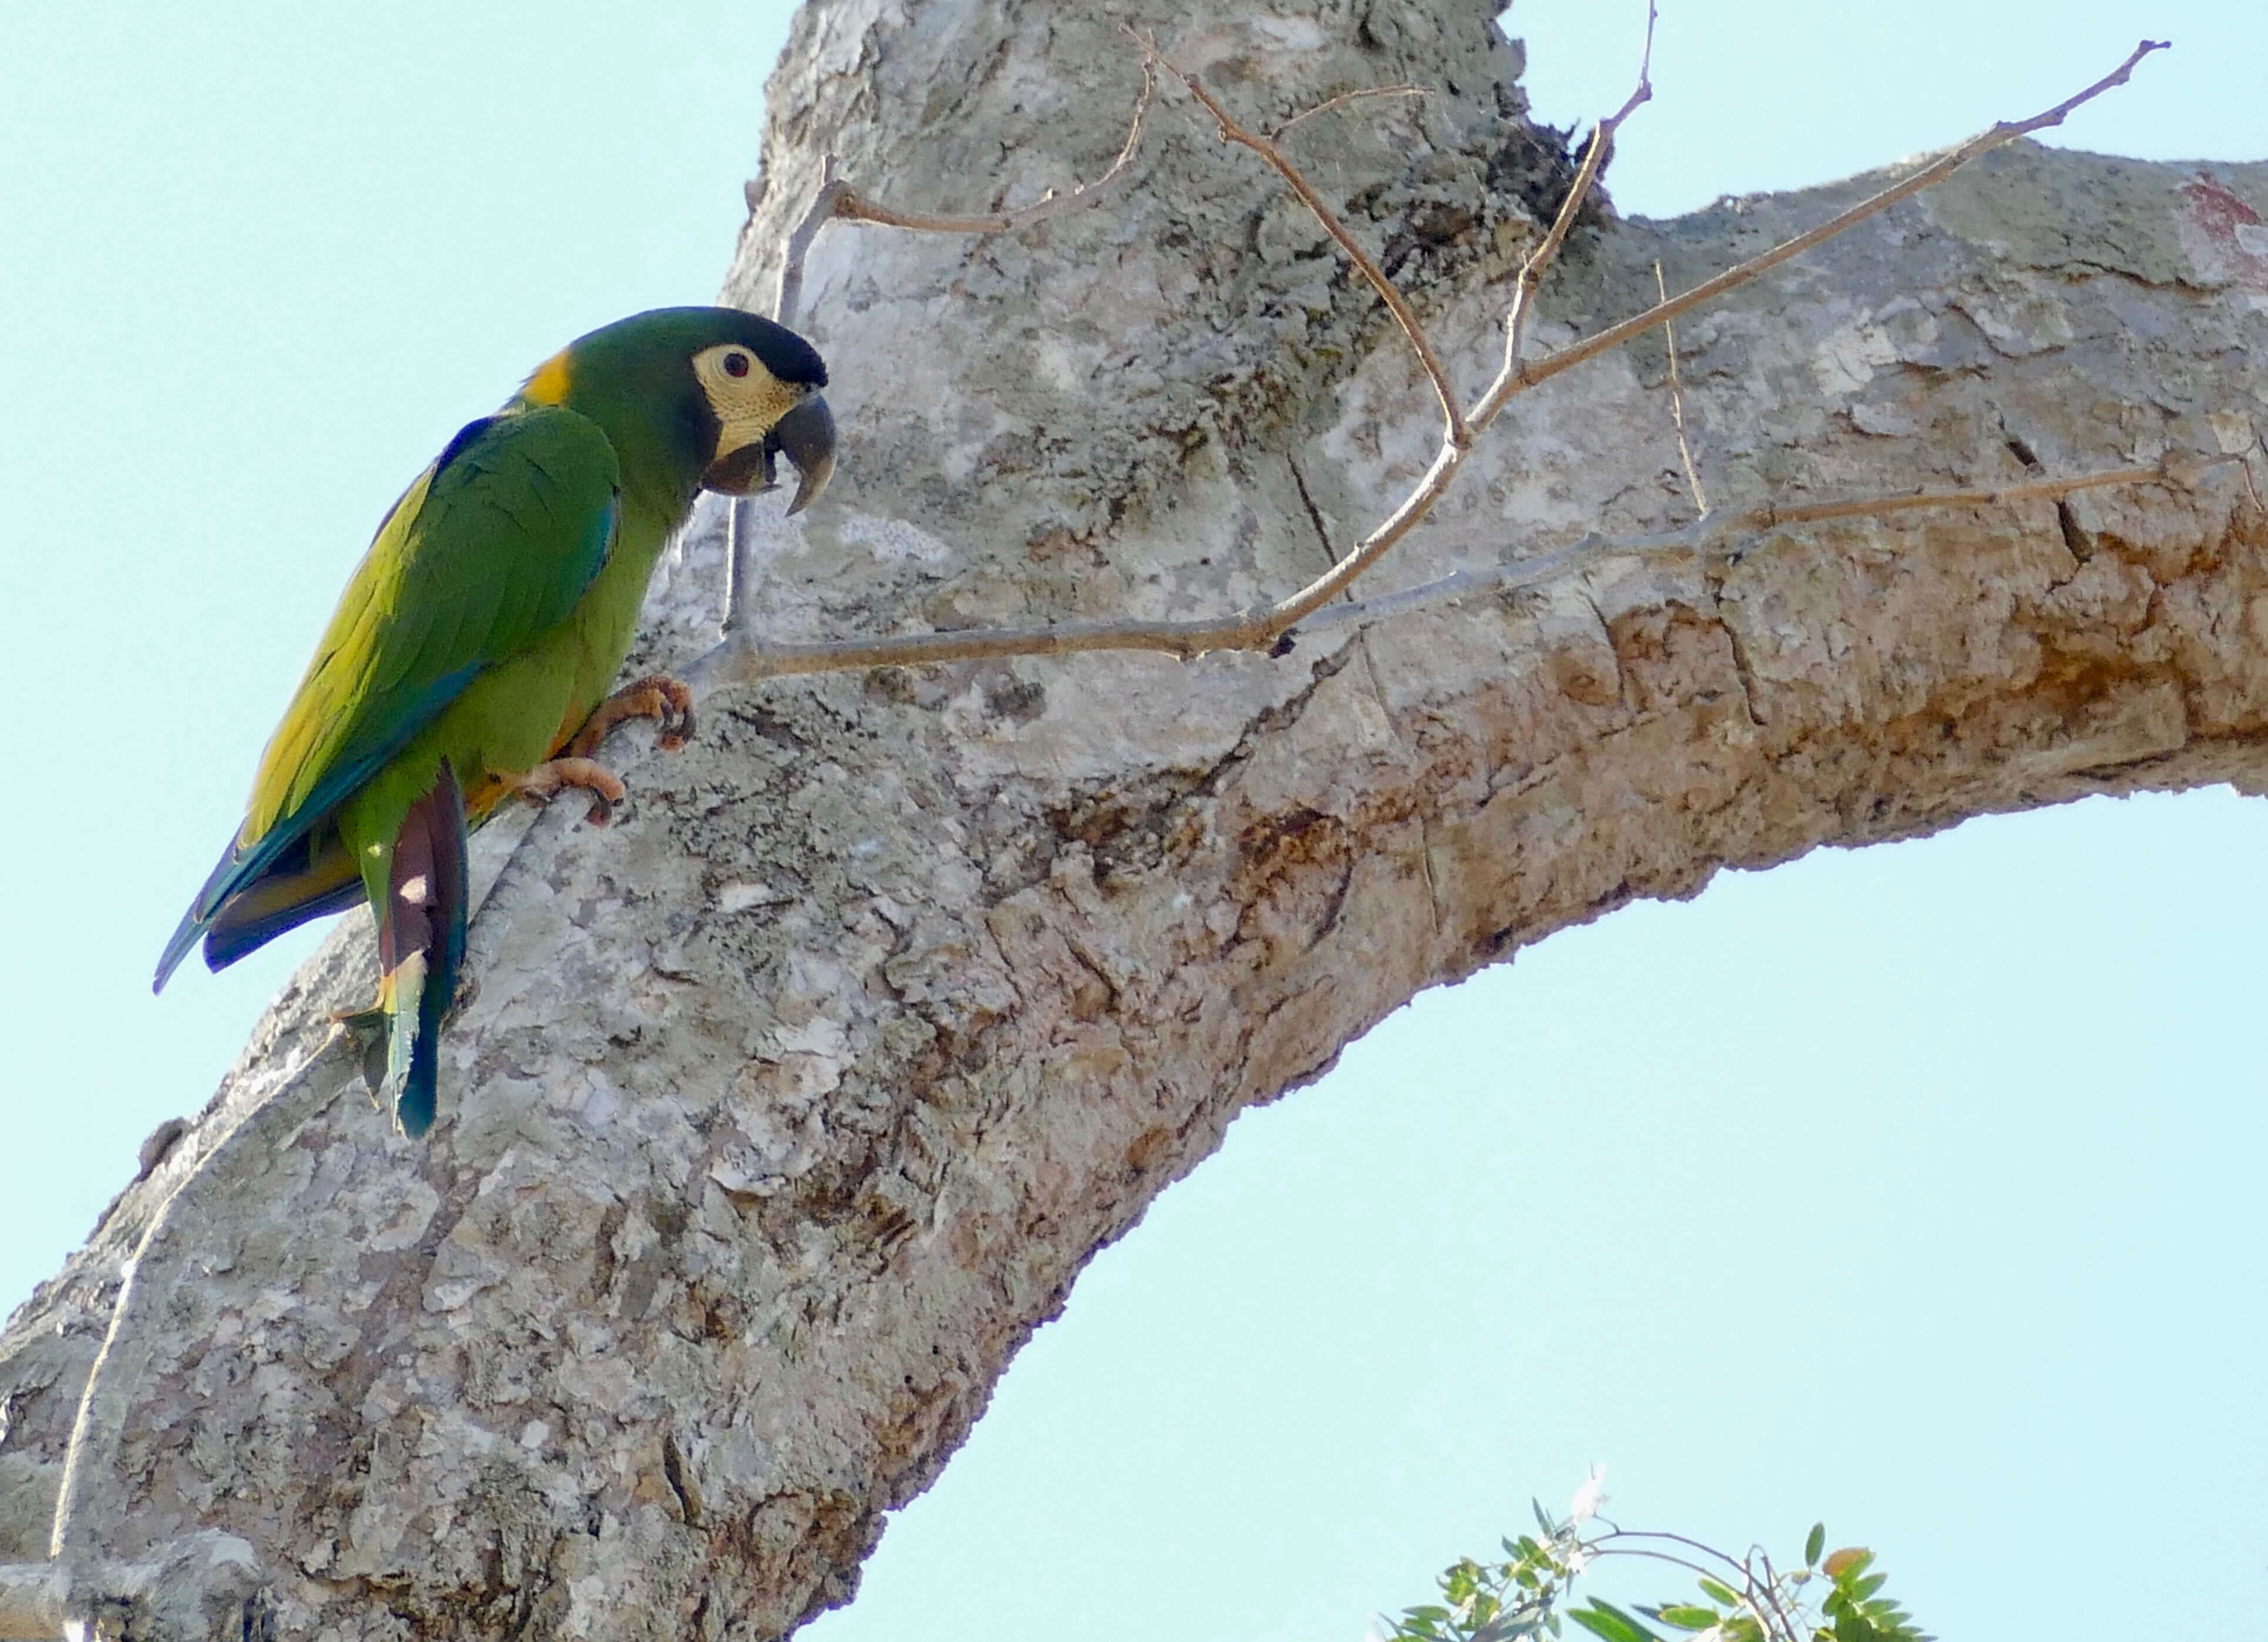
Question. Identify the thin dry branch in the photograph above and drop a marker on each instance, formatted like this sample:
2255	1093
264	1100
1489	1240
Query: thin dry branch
1344	99
1586	176
1453	414
825	205
1270	627
836	201
854	207
729	664
1518	376
1677	404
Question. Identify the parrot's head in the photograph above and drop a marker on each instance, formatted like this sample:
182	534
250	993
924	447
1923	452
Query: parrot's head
714	395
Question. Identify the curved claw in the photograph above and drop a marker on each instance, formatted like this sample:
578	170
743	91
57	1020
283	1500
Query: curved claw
658	696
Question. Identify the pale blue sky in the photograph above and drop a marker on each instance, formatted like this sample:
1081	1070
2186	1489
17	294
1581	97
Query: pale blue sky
1918	1187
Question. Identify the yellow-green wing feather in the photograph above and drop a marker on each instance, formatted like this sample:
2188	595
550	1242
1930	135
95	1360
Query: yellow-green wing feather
490	548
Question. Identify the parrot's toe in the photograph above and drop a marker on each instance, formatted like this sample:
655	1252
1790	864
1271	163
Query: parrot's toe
365	1033
547	781
667	701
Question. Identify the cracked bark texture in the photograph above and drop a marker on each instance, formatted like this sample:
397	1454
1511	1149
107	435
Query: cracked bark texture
785	1109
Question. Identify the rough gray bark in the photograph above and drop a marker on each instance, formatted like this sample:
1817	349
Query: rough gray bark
788	1106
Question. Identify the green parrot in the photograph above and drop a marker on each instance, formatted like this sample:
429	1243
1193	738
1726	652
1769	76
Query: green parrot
472	652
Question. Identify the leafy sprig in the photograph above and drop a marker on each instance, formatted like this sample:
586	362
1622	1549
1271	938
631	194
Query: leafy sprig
1832	1596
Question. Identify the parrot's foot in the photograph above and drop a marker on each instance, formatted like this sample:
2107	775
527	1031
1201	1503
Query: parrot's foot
658	696
546	781
365	1031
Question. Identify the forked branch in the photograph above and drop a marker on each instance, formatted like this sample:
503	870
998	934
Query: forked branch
1586	176
1518	376
838	201
739	658
1453	414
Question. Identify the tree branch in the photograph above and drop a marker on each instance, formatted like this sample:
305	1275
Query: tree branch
1453	415
740	659
1677	403
1587	174
1518	376
850	206
1344	99
825	205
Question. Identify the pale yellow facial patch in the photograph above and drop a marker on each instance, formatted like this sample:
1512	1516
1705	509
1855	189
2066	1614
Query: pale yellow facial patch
746	405
550	384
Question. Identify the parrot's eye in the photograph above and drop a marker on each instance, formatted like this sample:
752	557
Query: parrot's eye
736	365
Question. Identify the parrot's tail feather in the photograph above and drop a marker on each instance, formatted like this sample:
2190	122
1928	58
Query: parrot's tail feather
421	945
328	881
185	936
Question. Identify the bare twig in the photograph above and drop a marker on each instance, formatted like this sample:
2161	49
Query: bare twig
1344	99
836	201
1587	175
1453	415
1677	404
1518	376
857	208
1770	1588
825	205
1264	627
740	568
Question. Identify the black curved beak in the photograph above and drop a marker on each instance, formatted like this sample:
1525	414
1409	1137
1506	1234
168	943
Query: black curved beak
805	437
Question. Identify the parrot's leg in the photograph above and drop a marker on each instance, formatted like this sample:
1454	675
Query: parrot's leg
421	945
547	780
658	696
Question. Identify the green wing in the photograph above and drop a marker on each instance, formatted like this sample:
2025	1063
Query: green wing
491	547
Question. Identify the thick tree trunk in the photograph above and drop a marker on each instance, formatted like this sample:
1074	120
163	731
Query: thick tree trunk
788	1106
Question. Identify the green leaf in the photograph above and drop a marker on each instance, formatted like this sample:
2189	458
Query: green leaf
1688	1616
1815	1545
1720	1592
1861	1589
1605	1620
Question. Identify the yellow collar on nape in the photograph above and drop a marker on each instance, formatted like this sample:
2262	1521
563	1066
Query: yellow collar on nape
550	384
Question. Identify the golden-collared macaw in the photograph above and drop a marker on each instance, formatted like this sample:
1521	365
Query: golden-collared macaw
471	655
